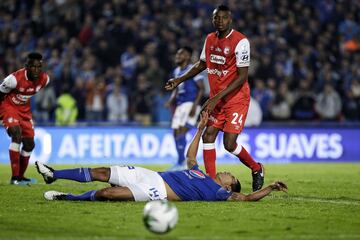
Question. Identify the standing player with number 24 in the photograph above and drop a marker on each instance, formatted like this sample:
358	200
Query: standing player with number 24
226	57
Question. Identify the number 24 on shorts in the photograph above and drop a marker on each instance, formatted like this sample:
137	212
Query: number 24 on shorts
237	119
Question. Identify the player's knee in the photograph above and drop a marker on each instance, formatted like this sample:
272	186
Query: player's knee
100	174
111	193
15	134
208	137
28	146
229	146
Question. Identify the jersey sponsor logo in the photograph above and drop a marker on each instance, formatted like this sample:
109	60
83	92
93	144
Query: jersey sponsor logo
217	72
245	57
197	174
217	59
20	99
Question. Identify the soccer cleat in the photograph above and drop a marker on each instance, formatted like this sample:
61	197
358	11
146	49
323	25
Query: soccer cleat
258	178
46	171
28	180
54	195
17	181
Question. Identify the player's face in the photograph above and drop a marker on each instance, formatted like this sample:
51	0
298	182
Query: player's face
221	20
34	68
181	56
226	178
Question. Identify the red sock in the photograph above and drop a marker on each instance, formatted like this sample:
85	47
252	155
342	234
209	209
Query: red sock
209	153
14	155
24	162
246	159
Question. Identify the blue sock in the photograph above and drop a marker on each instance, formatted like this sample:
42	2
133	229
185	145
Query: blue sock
76	174
180	141
88	196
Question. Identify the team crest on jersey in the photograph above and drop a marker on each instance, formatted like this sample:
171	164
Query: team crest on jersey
197	174
29	90
226	50
217	49
21	89
211	48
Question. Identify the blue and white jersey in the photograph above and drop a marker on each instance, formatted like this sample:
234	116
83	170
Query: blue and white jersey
194	185
188	90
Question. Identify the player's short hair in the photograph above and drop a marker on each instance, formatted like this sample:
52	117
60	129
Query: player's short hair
222	8
34	56
188	49
236	187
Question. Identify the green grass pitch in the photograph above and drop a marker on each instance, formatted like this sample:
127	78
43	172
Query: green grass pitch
323	203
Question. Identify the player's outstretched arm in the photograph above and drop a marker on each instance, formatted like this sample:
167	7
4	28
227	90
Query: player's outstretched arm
197	68
255	196
194	145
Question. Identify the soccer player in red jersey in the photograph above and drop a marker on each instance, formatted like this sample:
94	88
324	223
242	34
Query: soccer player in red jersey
15	93
226	57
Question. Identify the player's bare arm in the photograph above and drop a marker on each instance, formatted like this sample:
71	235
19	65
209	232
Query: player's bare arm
255	196
194	145
197	68
237	83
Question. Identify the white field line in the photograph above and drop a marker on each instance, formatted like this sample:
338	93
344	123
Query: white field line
321	200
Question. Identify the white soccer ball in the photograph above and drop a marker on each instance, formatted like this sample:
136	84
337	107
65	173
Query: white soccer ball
160	216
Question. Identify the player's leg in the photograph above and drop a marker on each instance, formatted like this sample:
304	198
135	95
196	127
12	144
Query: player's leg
28	144
235	119
178	121
209	151
14	153
105	194
180	141
76	174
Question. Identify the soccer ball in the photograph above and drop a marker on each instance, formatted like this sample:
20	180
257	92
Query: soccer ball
160	216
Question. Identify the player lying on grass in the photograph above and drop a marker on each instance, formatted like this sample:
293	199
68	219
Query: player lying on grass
139	184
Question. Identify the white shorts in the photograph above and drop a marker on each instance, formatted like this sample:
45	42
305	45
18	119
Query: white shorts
145	184
181	116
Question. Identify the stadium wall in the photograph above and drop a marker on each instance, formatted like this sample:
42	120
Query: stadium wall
153	145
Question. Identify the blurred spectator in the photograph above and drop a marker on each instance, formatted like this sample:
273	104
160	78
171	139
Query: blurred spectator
117	106
95	100
328	103
45	102
352	101
282	104
142	100
78	92
304	103
254	116
263	96
66	111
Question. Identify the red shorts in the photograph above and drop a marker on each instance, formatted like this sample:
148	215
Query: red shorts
11	118
230	119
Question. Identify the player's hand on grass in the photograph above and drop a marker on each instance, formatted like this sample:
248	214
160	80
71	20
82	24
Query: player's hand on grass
279	186
171	84
203	120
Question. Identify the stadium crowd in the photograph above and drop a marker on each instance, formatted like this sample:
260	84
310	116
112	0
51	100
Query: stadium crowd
109	60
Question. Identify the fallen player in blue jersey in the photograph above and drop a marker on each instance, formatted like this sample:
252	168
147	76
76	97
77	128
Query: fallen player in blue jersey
129	183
